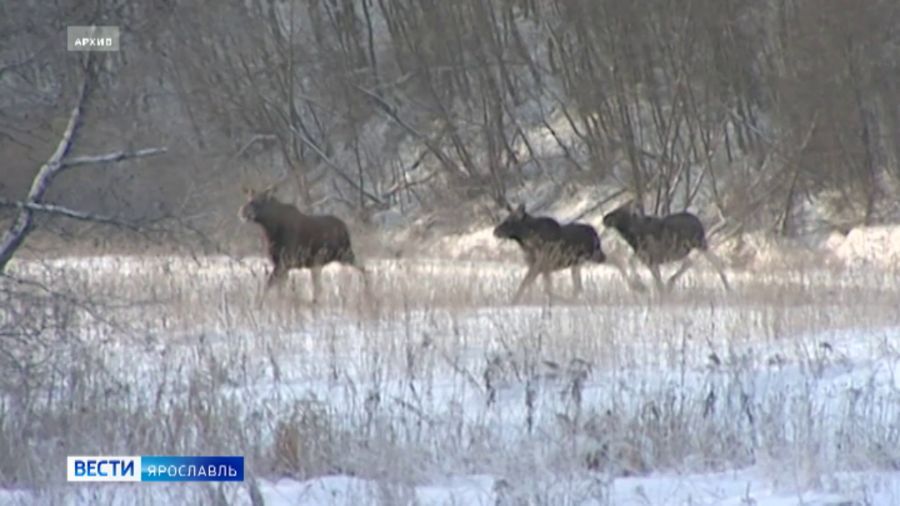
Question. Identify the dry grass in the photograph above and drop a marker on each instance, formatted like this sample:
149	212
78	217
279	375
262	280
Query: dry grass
438	373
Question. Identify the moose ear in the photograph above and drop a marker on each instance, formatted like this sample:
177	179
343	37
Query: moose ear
519	212
268	191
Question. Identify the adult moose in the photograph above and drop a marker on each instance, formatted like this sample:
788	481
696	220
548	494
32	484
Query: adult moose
549	247
657	240
295	240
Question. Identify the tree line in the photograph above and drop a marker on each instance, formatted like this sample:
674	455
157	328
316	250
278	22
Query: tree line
763	111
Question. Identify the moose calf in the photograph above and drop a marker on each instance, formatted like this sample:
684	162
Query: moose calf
296	240
549	247
659	240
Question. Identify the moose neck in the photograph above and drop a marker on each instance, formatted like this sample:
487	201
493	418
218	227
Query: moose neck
525	230
276	215
631	230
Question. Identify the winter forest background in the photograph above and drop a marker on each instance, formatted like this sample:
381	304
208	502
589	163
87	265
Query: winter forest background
775	115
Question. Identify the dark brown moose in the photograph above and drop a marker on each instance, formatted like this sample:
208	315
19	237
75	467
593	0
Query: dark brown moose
549	247
656	240
296	240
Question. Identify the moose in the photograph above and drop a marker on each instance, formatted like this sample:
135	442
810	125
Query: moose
295	240
550	246
656	240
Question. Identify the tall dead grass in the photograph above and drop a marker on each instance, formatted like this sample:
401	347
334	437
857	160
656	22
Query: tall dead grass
437	372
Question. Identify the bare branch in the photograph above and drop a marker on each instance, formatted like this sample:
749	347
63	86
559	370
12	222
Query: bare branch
406	184
14	237
613	196
111	157
337	169
391	111
68	213
253	140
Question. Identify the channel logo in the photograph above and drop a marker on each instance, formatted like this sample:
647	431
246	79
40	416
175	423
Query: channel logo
154	468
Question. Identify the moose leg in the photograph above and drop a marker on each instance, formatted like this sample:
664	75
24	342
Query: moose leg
360	269
654	269
717	264
634	263
526	282
277	276
365	277
548	283
316	274
633	283
576	279
684	267
350	259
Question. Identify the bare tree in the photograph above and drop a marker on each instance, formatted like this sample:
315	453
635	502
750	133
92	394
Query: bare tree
57	163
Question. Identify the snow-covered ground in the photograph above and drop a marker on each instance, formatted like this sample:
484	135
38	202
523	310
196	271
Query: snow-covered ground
434	390
738	488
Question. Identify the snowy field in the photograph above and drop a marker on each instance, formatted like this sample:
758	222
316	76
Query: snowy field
433	389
